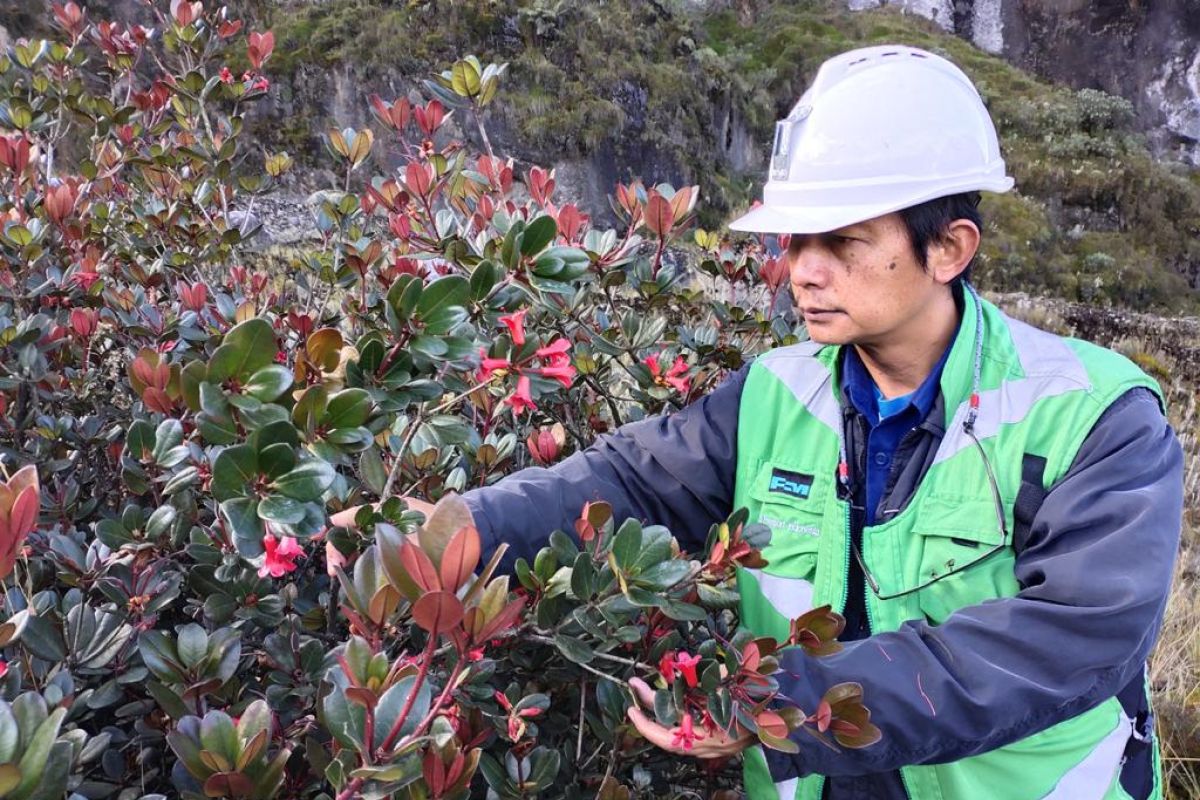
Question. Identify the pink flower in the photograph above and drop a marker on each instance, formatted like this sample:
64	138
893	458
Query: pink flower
515	323
564	374
555	353
281	556
685	735
521	399
687	668
672	376
489	365
226	75
666	666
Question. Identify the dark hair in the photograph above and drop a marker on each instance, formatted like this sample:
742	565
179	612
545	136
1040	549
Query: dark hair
929	222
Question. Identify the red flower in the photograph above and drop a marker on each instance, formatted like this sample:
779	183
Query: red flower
281	556
226	75
487	366
666	666
555	353
685	735
687	668
521	399
515	322
672	376
564	374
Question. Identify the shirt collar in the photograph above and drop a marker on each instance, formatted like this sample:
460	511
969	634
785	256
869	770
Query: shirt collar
860	388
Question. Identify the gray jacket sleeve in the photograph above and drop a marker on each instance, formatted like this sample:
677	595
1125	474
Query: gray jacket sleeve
674	470
1095	574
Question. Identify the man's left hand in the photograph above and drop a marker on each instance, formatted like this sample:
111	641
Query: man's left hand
717	744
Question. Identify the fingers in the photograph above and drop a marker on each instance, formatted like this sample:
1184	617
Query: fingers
642	690
654	733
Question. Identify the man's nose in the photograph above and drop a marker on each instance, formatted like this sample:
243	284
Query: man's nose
808	262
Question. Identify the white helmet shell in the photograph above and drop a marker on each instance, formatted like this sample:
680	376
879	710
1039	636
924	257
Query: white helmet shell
880	129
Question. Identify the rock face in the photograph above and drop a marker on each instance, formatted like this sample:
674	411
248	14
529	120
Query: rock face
1147	51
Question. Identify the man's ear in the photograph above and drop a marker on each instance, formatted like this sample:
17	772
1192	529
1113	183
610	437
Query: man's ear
948	256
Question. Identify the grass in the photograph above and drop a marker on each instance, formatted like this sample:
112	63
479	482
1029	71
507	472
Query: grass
1170	351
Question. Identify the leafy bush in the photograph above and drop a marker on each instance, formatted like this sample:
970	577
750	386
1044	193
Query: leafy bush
180	615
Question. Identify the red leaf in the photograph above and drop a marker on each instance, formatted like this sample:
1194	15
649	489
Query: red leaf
823	716
437	612
659	216
418	566
23	516
772	723
260	47
460	558
502	621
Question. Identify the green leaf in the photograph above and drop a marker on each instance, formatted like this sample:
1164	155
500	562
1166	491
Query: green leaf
218	735
160	657
665	574
627	544
538	234
310	408
268	383
280	509
242	515
33	760
276	459
306	482
169	435
438	297
392	703
253	345
347	409
192	644
234	472
574	649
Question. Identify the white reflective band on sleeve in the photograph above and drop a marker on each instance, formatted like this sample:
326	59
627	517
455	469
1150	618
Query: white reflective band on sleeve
1091	778
787	789
808	380
791	597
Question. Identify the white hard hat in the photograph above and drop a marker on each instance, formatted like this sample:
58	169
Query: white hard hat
880	129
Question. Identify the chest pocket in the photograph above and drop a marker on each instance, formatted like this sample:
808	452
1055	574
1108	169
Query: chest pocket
790	500
962	556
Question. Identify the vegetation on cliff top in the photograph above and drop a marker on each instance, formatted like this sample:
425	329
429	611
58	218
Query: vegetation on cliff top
1096	217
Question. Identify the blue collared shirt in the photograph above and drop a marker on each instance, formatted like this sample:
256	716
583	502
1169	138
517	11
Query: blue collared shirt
888	420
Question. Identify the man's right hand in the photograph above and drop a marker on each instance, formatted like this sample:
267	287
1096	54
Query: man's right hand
345	517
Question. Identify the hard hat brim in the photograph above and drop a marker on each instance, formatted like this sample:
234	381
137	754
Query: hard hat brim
778	218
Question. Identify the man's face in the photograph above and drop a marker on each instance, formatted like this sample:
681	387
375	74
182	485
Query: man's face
861	284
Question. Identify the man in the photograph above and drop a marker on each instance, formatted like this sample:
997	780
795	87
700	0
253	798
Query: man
994	509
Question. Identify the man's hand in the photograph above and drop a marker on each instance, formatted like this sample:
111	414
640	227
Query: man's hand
345	517
717	744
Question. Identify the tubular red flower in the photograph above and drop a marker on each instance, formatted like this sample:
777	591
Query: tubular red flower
515	322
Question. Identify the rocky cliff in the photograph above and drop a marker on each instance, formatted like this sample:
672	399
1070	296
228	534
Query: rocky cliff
1147	51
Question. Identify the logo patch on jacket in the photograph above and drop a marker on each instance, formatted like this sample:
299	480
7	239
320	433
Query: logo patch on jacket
795	484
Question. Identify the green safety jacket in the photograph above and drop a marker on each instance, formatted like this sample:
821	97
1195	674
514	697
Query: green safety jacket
1037	395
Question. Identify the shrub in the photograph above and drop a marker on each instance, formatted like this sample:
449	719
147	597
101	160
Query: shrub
180	615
